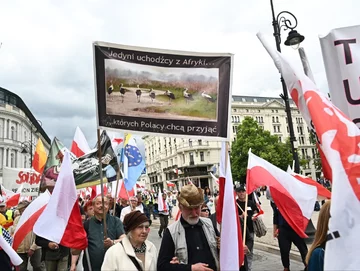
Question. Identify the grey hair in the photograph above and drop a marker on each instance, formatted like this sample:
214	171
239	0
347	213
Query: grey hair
94	199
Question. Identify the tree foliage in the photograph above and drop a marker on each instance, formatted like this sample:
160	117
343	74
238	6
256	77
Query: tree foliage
262	143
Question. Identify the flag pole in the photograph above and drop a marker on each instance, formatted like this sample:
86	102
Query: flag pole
101	183
117	187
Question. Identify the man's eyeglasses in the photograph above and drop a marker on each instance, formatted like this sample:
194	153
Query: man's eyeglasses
205	210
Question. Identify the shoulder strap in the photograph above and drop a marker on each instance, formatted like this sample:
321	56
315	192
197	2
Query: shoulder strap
135	262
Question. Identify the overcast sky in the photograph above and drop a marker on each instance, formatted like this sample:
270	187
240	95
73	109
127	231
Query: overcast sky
46	54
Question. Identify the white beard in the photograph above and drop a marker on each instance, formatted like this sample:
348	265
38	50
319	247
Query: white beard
192	221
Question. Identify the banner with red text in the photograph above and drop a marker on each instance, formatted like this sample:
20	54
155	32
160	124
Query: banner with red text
14	177
165	92
341	55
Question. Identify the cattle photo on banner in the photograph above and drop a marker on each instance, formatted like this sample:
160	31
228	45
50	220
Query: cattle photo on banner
165	92
341	55
86	168
13	178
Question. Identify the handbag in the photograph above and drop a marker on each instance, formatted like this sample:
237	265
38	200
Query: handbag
259	227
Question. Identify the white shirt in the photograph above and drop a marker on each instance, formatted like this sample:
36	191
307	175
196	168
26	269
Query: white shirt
127	210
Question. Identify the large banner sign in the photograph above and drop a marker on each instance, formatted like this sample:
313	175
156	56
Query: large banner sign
161	91
13	178
341	54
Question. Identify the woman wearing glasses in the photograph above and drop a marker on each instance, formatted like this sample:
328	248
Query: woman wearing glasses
134	252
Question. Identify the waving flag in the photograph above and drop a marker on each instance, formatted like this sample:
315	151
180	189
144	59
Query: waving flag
339	139
117	143
232	250
294	199
14	199
134	162
29	217
40	157
323	193
5	244
79	146
61	222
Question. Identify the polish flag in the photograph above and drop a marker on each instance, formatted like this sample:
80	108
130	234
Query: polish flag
29	217
79	146
14	199
339	140
61	221
222	172
170	184
123	194
294	199
232	250
322	192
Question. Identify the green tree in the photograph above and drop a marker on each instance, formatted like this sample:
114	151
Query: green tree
262	143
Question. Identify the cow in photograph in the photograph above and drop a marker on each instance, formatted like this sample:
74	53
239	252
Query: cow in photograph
170	95
207	97
188	97
138	94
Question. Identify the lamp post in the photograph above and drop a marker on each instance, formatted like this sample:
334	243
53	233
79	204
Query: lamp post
293	39
285	19
27	146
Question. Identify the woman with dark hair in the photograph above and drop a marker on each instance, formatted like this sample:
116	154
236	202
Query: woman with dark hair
315	256
207	194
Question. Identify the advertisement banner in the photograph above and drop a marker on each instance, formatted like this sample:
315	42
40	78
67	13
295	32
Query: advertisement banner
163	92
13	178
341	55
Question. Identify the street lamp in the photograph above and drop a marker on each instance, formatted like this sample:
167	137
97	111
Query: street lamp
293	40
27	146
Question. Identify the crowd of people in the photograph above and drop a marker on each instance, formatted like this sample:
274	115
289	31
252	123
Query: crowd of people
192	242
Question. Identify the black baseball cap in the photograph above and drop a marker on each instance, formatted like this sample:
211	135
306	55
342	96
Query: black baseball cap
240	187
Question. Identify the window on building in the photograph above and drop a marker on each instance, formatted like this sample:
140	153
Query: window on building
191	156
12	160
272	111
278	129
277	118
262	120
247	110
237	119
243	99
190	142
202	156
255	100
287	129
13	133
276	111
183	158
234	109
258	110
280	139
274	129
200	142
234	129
273	119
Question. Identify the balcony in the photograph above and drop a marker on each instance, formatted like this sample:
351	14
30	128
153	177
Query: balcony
196	173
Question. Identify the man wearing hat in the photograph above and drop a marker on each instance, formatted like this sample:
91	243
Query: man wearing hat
8	215
27	248
251	209
190	242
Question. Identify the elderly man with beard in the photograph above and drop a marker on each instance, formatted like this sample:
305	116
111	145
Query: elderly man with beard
98	243
189	243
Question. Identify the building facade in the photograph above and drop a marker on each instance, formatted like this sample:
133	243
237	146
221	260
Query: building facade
19	132
179	160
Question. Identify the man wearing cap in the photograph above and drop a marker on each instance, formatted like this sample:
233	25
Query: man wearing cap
250	211
27	248
8	214
189	243
132	207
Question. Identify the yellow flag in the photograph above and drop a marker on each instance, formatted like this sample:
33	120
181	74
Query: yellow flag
40	157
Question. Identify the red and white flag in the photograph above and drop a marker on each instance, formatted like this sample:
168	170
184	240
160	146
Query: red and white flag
322	192
339	139
216	180
294	199
79	146
12	198
61	221
123	193
162	206
232	250
29	217
170	184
